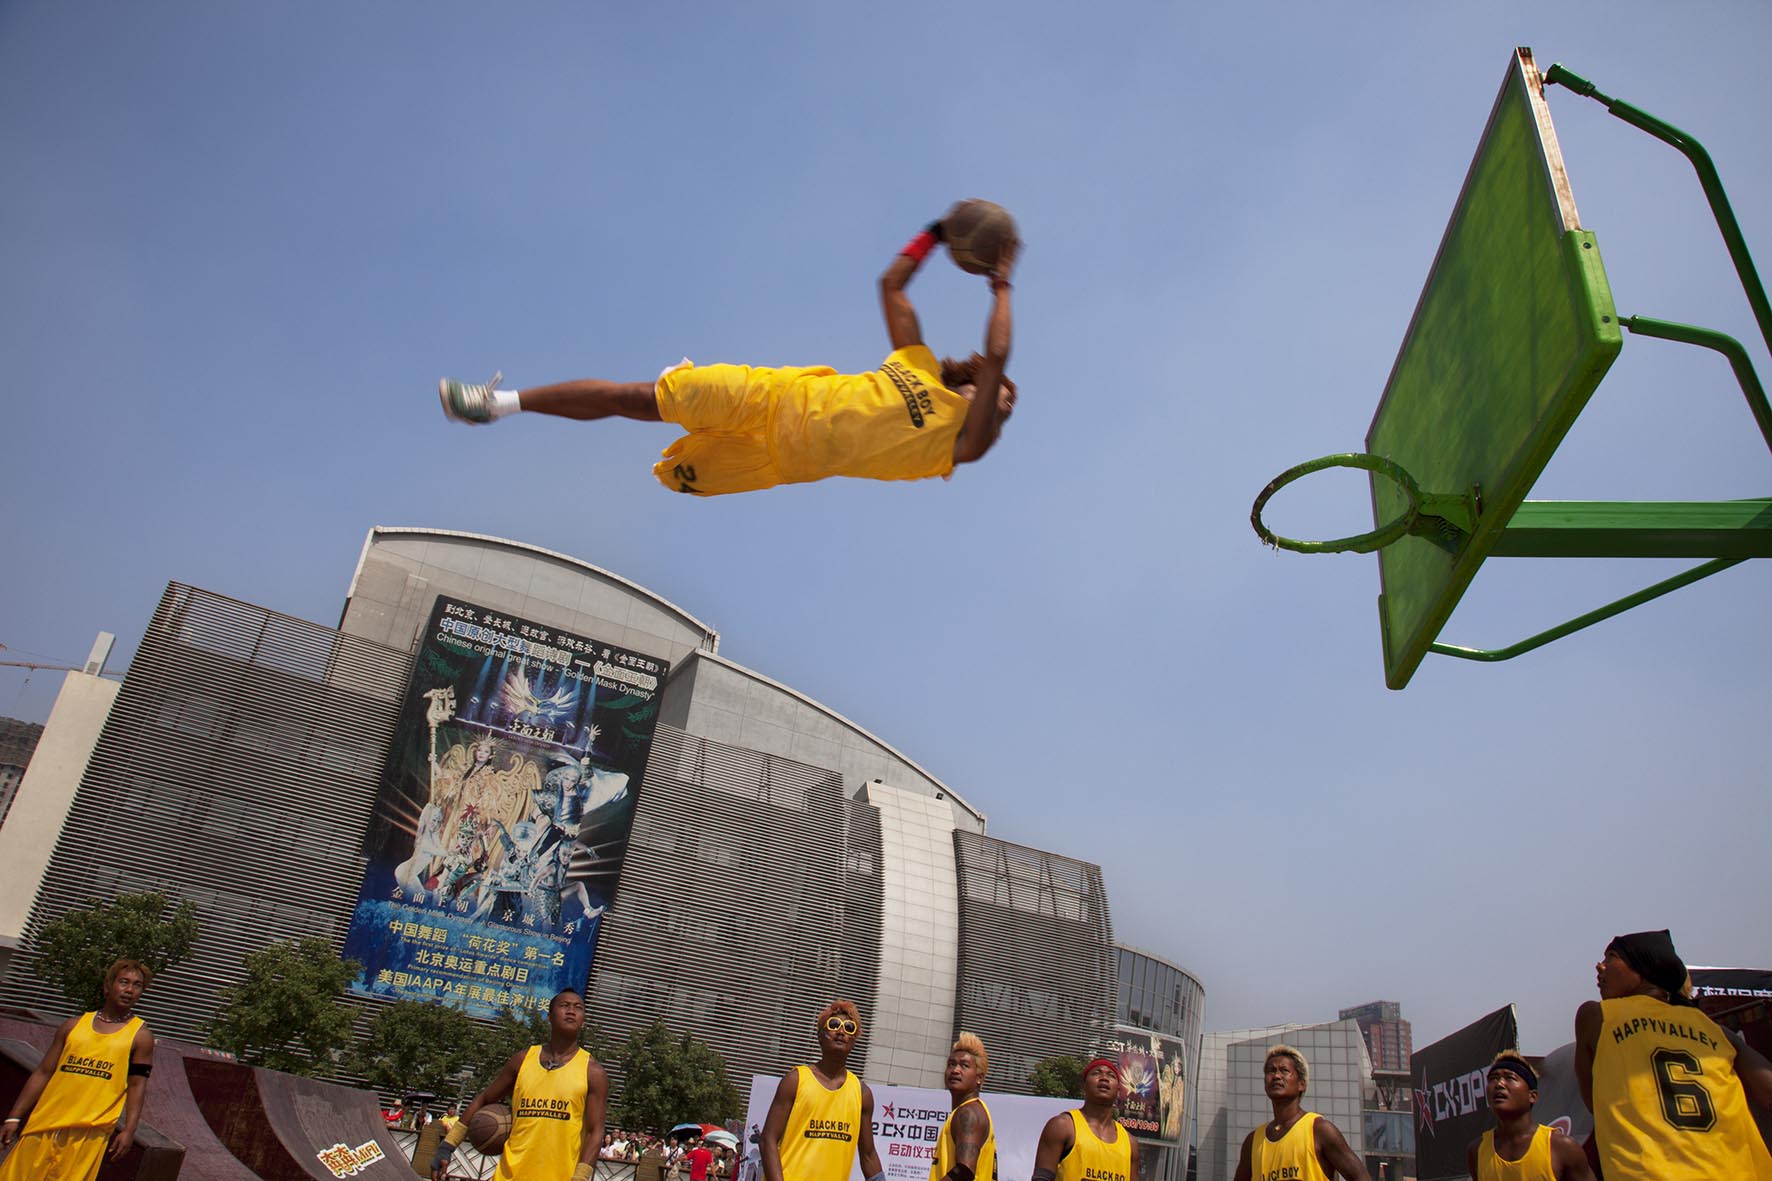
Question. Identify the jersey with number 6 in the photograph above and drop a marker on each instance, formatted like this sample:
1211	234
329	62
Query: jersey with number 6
1667	1102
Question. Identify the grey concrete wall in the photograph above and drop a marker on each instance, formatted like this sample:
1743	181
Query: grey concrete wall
729	703
402	571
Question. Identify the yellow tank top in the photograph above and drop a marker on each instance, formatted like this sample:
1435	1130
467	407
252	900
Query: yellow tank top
897	422
87	1088
1293	1157
1667	1102
1535	1165
823	1129
547	1118
1093	1159
986	1168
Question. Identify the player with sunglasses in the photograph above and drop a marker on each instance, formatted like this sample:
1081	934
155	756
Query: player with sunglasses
822	1115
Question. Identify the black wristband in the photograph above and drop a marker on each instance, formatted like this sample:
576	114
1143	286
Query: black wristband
936	229
144	1069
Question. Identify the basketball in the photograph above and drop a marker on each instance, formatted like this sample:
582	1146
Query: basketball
489	1128
975	233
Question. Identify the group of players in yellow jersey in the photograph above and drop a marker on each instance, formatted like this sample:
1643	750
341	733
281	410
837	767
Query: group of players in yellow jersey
1672	1094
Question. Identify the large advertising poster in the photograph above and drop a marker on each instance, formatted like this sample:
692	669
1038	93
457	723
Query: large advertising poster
1154	1069
500	828
1450	1082
907	1122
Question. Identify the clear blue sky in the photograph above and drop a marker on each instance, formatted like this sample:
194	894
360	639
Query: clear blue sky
240	242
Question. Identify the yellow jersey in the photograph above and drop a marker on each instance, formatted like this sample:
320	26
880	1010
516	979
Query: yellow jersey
752	427
547	1118
90	1080
1293	1157
945	1155
823	1129
1093	1159
1668	1104
1535	1165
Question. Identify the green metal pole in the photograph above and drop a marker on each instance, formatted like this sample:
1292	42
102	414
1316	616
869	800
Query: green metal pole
1722	343
1707	177
1645	595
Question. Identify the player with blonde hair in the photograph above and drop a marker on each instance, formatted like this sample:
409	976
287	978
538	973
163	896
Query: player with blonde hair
88	1089
822	1115
967	1146
1296	1144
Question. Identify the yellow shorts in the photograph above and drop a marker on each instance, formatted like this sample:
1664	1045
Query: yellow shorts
65	1154
725	409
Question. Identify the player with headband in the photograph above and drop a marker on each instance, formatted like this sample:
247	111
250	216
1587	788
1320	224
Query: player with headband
1519	1148
1296	1144
1089	1144
751	428
1670	1089
822	1115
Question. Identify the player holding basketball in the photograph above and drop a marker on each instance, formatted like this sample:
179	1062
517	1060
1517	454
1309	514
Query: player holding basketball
752	428
967	1146
1296	1143
1089	1144
1520	1148
557	1092
1669	1087
95	1070
822	1115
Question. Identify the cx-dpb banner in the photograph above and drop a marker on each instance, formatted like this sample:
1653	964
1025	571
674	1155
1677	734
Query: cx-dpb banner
1450	1079
500	828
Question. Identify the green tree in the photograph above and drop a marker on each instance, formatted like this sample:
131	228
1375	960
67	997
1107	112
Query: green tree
285	1013
1058	1077
670	1078
74	950
416	1046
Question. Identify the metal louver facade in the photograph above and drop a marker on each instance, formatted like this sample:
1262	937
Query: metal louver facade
1037	954
236	771
750	899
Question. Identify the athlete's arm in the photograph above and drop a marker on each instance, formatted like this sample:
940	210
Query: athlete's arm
1135	1149
1244	1169
1334	1154
495	1091
902	328
775	1123
984	418
870	1156
1568	1162
1753	1069
1470	1158
971	1125
1057	1139
596	1099
141	1053
1588	1020
34	1084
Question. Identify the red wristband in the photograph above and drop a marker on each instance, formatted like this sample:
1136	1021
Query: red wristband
920	246
999	283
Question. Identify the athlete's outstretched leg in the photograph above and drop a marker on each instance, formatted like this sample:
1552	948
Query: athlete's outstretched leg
583	400
591	398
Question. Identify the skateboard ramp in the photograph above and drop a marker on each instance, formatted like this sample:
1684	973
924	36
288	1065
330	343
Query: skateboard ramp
286	1128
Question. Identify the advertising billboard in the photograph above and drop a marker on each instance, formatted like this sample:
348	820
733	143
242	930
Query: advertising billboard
1154	1069
499	831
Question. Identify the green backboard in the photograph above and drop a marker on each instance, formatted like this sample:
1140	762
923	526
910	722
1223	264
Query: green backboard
1514	329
